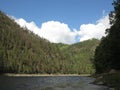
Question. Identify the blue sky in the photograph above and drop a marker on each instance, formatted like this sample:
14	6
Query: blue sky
73	13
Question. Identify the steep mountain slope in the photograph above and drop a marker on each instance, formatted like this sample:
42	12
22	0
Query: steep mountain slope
21	51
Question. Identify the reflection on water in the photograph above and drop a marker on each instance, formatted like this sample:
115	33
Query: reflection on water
49	83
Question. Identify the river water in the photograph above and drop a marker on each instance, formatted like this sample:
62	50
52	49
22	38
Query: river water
49	83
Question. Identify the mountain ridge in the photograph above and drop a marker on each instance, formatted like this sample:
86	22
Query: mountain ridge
21	51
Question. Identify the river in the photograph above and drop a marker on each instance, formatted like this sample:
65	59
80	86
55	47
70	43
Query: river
49	83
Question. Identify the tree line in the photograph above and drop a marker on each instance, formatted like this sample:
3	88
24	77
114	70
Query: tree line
107	54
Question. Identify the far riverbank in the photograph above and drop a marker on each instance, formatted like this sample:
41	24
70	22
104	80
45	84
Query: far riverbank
29	75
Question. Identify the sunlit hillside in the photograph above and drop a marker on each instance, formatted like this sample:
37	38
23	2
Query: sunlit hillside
21	51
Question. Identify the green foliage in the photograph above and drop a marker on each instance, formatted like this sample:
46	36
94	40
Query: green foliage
112	80
21	51
107	54
80	56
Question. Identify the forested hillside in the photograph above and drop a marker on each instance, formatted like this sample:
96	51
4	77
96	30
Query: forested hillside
80	55
21	51
107	54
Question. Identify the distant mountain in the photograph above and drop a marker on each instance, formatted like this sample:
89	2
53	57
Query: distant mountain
21	51
80	55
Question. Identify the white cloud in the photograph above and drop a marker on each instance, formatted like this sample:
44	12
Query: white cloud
88	31
58	32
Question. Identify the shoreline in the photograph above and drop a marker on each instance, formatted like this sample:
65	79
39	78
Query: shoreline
29	75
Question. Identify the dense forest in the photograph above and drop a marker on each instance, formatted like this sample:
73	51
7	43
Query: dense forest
21	51
107	54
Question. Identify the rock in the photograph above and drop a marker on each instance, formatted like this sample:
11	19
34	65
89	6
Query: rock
99	83
112	71
100	77
112	89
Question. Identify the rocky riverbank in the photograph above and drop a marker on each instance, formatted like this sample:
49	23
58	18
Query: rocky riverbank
112	80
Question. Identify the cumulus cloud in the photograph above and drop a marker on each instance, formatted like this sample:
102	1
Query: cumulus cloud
58	32
88	31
